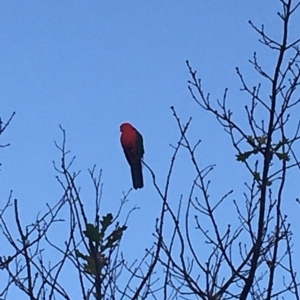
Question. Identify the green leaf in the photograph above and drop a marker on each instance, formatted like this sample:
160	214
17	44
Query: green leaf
283	156
93	261
79	254
105	223
250	140
114	238
279	144
262	140
92	233
243	156
285	141
256	176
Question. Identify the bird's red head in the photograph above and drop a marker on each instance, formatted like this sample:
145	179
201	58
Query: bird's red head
125	126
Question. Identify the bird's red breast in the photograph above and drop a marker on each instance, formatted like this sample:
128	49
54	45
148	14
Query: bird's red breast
128	136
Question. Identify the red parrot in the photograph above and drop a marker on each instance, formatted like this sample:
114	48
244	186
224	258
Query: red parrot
132	144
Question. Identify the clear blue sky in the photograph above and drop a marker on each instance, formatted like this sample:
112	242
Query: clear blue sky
91	65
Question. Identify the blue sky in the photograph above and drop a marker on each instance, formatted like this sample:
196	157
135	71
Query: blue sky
92	65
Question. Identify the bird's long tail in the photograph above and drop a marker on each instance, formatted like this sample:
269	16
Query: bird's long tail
137	176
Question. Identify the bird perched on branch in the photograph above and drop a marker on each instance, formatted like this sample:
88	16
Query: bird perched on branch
132	144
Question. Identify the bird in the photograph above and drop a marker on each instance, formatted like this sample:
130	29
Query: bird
133	147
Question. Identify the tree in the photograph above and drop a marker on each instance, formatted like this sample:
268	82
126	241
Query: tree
3	127
90	248
252	259
255	259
